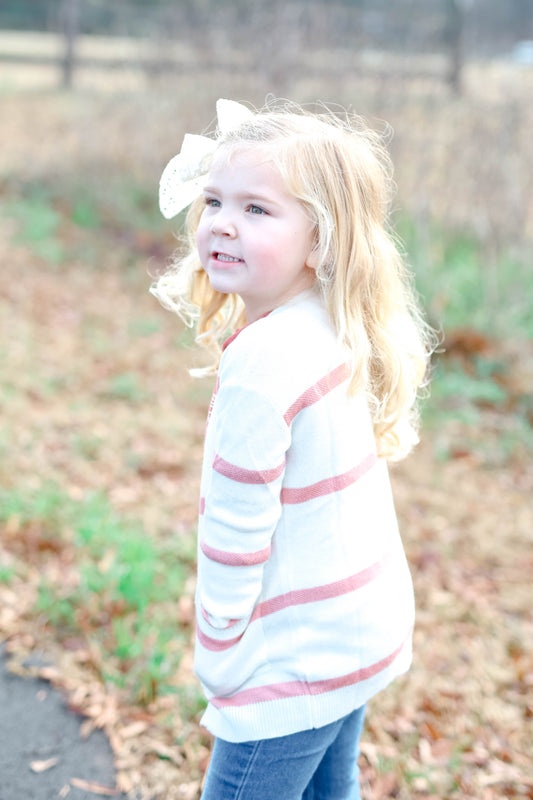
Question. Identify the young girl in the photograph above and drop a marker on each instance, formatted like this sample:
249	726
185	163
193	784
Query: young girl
304	599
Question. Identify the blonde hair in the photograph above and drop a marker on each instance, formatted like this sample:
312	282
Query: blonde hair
341	172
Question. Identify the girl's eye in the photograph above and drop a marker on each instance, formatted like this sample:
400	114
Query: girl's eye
256	210
210	201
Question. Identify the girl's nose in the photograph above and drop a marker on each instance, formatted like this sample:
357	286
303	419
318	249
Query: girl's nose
223	225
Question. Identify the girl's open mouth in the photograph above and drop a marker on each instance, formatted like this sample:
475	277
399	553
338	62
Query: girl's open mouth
226	258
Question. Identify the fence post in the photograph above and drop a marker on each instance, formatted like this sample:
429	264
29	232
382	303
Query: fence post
70	19
455	14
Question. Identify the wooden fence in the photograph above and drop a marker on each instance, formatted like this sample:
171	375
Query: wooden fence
282	35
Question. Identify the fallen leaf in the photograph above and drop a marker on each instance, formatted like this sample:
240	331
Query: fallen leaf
124	782
92	786
87	727
134	729
50	674
424	749
185	610
188	791
163	751
42	766
385	785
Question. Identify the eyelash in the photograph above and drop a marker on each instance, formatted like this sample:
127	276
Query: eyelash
212	202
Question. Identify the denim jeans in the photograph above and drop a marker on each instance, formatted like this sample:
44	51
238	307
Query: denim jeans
317	764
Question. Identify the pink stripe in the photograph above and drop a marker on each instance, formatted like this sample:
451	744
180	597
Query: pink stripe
328	485
298	597
235	559
317	593
243	475
279	691
214	644
318	390
202	505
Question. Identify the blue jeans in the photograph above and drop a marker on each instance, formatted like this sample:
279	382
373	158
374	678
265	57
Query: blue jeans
318	764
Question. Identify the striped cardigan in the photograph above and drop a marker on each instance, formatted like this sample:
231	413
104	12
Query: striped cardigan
304	599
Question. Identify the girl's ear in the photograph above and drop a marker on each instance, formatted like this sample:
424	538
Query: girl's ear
313	259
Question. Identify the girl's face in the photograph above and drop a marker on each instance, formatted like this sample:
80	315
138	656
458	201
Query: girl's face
254	237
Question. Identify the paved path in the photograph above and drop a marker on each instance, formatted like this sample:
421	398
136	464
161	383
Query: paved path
37	726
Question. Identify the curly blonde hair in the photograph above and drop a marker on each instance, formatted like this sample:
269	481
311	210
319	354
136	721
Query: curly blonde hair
340	171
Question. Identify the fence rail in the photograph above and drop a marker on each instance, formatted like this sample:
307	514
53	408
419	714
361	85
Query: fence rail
157	56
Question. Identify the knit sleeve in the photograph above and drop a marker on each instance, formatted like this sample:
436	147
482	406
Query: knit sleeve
240	510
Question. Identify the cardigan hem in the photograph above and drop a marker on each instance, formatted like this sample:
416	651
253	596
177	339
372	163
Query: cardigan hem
285	716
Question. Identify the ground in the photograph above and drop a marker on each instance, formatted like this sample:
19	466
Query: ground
458	725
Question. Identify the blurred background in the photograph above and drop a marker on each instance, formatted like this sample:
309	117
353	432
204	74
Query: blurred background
453	78
102	426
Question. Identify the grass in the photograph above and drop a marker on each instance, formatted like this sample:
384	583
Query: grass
117	588
38	225
126	386
464	283
7	574
61	219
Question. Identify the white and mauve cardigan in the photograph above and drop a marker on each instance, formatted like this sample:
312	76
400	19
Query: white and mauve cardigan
304	598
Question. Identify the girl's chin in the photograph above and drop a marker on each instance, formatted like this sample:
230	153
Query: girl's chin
221	283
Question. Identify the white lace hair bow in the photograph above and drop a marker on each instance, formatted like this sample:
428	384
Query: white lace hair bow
185	175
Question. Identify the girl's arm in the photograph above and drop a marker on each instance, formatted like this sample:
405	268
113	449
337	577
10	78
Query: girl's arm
246	446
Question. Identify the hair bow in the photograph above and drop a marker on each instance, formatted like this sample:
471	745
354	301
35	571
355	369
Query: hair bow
185	175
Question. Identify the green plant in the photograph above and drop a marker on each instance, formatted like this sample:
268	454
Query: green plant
144	326
124	592
48	209
85	212
463	283
87	445
38	224
126	386
60	611
48	505
7	574
456	388
192	703
147	656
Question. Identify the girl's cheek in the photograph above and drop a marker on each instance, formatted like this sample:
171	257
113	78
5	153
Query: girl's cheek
201	242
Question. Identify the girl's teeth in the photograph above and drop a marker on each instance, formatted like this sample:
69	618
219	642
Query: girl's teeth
222	257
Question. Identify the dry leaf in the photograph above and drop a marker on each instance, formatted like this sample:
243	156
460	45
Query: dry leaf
87	727
95	788
162	750
424	748
42	766
189	791
384	785
124	782
135	729
50	674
